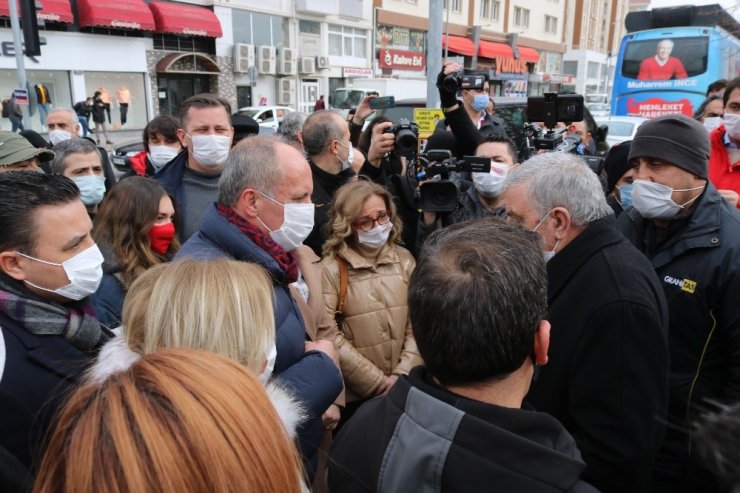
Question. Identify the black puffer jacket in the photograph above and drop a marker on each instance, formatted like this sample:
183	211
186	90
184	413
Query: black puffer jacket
699	269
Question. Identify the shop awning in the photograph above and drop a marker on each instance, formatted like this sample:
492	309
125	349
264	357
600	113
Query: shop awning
489	49
529	55
51	11
459	45
185	19
126	14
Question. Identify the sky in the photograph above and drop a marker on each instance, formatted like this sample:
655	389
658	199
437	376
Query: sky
732	6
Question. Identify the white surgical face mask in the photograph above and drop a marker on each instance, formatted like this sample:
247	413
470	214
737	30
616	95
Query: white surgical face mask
350	156
712	122
297	225
57	136
84	272
654	200
267	372
731	122
549	254
161	155
491	184
92	188
376	237
210	150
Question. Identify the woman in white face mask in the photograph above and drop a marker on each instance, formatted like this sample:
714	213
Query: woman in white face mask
365	276
161	146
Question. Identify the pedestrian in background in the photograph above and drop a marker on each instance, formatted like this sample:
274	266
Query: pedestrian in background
98	114
15	114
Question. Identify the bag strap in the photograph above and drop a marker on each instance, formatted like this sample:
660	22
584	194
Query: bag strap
342	284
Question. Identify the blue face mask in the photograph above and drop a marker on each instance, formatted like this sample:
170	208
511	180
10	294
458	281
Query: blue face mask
625	195
92	188
480	101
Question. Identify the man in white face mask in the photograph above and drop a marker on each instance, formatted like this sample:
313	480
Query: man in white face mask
609	323
262	214
63	124
49	266
192	177
692	237
724	160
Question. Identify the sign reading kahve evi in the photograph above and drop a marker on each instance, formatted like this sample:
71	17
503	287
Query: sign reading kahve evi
403	60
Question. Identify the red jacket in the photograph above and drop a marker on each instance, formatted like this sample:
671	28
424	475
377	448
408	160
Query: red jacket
138	163
722	174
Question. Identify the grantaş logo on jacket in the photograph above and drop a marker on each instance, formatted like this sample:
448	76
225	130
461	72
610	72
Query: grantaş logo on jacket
685	284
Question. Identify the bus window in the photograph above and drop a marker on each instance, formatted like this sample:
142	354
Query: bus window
666	58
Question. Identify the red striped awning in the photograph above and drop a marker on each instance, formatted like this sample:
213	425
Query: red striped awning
529	55
185	19
125	14
489	49
459	45
51	11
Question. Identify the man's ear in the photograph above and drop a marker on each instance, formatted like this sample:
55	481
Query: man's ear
10	265
542	342
247	203
182	138
562	222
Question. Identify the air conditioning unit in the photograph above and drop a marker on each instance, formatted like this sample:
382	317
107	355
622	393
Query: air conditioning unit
322	62
286	61
307	65
266	59
243	57
286	92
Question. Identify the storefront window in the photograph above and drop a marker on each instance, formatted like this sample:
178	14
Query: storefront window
119	86
56	81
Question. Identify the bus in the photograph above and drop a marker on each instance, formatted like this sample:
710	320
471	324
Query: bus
666	69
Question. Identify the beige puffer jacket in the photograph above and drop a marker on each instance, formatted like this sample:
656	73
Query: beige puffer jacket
375	340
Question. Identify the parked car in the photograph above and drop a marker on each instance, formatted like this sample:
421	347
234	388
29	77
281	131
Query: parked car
269	118
621	128
599	109
121	154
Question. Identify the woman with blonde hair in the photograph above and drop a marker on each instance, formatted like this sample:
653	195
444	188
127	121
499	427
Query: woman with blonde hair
135	228
365	276
176	420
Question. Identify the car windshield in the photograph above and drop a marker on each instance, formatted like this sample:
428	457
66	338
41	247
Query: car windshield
251	113
619	129
598	107
347	98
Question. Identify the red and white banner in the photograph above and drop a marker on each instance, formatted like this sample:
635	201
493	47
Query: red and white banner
403	60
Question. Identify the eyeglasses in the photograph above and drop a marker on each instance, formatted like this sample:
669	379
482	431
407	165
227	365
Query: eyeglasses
367	223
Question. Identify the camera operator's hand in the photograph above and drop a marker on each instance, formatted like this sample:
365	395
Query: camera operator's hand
363	111
447	99
380	143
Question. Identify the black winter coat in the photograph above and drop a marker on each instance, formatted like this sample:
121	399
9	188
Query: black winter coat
421	437
466	134
607	375
699	271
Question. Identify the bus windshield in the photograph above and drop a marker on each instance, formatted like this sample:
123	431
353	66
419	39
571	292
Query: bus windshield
666	58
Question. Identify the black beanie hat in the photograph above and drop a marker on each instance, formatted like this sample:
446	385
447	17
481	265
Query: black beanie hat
675	139
617	163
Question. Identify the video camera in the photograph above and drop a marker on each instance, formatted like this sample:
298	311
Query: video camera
407	137
441	195
459	80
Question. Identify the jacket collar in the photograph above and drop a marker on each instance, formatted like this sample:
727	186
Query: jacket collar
595	237
702	230
388	255
328	181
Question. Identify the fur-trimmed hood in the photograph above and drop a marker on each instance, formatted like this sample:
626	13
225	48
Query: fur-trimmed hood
115	356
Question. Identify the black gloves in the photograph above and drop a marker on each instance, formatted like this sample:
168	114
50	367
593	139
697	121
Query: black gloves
446	98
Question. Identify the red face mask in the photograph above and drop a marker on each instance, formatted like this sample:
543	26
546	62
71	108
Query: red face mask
160	236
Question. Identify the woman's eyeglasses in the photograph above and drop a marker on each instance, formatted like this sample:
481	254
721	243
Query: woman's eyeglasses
366	224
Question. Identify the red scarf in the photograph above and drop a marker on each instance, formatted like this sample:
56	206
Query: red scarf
285	260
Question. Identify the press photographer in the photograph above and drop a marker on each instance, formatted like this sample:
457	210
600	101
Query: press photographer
471	199
466	117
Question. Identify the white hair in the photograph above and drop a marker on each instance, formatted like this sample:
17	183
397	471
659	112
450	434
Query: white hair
558	179
70	112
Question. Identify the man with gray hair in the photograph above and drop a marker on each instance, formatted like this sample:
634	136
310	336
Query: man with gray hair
262	214
79	161
291	130
63	124
607	379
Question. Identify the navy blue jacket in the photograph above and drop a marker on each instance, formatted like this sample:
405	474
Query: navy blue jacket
170	177
38	373
310	376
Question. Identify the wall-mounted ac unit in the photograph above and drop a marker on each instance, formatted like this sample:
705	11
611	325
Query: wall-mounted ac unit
243	57
266	59
286	92
322	62
286	61
307	65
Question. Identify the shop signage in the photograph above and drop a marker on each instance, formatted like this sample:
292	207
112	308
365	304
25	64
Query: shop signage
7	48
510	65
349	72
125	24
404	60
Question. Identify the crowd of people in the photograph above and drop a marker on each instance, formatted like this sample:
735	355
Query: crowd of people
278	313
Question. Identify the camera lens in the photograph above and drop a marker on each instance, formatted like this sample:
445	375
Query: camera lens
451	83
406	142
